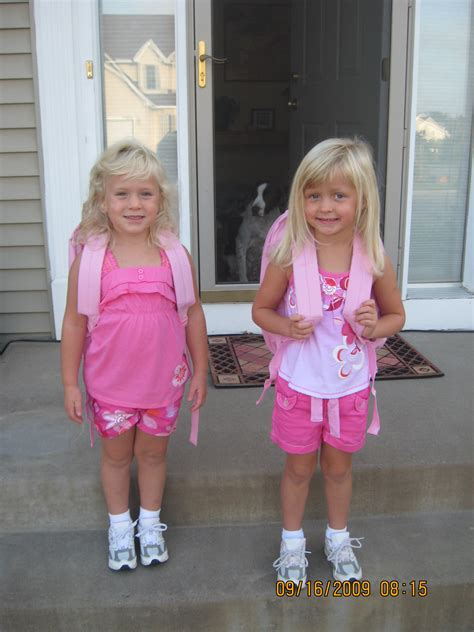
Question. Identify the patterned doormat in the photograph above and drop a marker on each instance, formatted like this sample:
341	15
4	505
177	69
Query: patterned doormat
242	360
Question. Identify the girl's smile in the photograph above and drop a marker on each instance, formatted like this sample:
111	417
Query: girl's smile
330	207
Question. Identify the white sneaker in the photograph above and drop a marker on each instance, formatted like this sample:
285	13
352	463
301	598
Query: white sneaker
153	548
341	556
122	552
291	565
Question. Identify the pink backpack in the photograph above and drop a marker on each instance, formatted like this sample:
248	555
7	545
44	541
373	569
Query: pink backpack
309	303
89	282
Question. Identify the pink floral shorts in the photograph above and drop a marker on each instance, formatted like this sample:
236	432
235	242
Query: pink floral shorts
111	420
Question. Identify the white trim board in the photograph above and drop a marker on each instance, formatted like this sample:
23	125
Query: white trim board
439	314
422	315
229	318
183	120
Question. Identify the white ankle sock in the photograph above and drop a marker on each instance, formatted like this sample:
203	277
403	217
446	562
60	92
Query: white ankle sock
122	517
293	539
336	535
289	535
149	517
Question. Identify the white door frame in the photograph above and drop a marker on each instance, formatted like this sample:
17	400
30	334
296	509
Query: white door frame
428	308
69	125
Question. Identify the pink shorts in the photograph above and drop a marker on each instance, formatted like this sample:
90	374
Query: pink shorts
295	432
111	420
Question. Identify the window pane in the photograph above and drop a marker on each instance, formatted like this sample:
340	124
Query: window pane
251	131
139	73
443	141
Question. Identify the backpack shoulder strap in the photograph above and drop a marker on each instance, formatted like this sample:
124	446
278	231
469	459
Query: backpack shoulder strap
88	298
306	276
360	283
182	275
359	290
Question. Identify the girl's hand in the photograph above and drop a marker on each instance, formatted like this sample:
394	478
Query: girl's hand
197	391
73	403
367	316
299	329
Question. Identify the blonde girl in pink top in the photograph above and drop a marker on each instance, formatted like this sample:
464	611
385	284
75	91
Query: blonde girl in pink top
135	362
324	369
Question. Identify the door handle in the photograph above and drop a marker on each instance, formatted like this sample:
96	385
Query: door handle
293	104
202	58
216	60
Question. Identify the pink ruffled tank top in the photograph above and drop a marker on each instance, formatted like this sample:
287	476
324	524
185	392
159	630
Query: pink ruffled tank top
330	363
136	353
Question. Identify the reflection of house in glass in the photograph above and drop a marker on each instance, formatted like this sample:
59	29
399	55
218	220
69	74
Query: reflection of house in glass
429	129
140	81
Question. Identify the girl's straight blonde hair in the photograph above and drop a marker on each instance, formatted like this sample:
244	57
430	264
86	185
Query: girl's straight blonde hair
352	159
130	158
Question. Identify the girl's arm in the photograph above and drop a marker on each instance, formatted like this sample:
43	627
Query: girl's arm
196	339
391	317
269	295
72	346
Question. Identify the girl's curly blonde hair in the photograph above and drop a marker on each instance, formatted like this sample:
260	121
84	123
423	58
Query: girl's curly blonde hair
351	158
130	158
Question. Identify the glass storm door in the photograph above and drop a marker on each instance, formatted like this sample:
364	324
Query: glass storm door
271	80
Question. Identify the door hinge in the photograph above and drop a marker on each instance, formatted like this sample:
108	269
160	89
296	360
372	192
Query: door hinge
405	138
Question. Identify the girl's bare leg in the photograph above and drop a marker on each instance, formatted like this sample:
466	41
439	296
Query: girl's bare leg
295	482
336	467
150	453
117	455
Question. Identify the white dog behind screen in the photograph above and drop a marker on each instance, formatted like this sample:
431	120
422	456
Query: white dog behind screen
258	217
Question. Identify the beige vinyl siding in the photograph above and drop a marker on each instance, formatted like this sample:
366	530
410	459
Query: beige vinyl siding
15	41
25	307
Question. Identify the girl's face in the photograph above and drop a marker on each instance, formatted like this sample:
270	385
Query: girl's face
131	205
330	208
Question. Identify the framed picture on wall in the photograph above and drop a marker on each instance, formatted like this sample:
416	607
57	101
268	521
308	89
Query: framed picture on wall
257	42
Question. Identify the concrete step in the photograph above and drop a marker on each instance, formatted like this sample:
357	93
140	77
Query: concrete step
422	460
221	578
50	480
